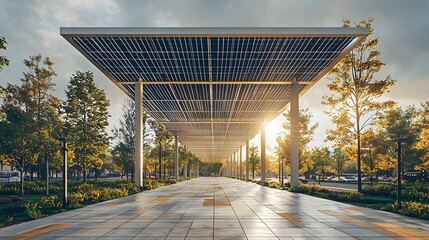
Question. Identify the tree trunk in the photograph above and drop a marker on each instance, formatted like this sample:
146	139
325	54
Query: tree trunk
21	170
84	175
358	150
160	160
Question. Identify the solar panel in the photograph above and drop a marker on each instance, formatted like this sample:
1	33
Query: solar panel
216	102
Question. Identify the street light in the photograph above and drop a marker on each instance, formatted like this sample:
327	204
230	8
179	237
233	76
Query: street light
399	188
63	139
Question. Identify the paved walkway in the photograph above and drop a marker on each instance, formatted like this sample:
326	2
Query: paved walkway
220	208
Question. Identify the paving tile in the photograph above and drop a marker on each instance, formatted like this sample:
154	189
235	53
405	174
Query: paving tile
255	212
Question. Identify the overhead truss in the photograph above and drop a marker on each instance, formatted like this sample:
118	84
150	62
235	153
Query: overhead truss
214	87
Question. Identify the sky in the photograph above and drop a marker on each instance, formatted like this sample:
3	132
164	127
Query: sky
32	27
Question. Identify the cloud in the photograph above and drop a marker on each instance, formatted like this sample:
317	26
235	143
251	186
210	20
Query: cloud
32	27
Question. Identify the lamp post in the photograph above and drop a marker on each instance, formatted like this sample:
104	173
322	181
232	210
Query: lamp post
63	139
399	188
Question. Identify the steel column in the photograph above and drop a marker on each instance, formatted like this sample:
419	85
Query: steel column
263	149
241	160
294	135
176	157
138	153
247	160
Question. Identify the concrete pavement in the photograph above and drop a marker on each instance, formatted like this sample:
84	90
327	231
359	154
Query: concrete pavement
220	208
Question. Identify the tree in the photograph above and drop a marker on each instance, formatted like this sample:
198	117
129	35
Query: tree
340	160
322	161
355	91
306	133
423	141
86	121
254	159
42	106
393	123
3	60
123	151
161	138
34	97
16	135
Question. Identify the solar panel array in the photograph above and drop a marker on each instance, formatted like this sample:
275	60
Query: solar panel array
213	119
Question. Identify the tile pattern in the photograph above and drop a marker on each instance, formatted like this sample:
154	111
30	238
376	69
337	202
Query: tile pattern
220	208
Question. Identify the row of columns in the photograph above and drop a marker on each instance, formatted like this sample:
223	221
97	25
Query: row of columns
138	156
233	167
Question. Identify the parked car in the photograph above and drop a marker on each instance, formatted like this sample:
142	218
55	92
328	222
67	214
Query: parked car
331	178
303	180
348	178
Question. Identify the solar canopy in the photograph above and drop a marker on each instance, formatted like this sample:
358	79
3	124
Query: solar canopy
214	87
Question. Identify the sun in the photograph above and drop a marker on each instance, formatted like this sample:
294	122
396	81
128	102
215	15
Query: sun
272	129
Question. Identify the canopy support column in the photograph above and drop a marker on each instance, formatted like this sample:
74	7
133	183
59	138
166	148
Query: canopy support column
247	160
198	169
176	157
263	148
294	135
138	153
241	160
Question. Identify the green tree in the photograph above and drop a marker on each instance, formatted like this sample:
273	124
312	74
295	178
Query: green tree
355	91
340	160
396	122
42	106
16	136
306	133
34	97
3	60
123	151
254	159
86	121
322	161
161	138
423	141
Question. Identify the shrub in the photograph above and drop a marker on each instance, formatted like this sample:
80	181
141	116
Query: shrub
10	199
51	202
109	193
9	188
302	188
413	209
5	221
75	200
32	210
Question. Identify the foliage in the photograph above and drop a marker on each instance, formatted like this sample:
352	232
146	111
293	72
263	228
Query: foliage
254	159
306	133
6	221
75	200
9	199
355	91
391	124
51	202
33	103
33	210
163	141
123	151
423	140
16	134
322	161
3	60
413	209
86	121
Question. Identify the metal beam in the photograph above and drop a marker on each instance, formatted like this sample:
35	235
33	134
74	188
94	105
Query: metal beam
216	82
191	122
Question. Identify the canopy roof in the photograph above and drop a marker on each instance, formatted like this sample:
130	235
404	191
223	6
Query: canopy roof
214	87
